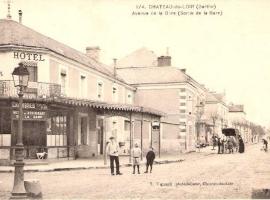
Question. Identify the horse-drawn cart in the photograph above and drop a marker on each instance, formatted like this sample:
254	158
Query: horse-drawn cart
231	140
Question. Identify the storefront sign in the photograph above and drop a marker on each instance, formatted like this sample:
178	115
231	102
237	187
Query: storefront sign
38	106
30	115
28	56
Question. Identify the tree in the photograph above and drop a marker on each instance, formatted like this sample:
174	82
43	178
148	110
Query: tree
214	117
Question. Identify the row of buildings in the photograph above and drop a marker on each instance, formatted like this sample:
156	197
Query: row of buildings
74	102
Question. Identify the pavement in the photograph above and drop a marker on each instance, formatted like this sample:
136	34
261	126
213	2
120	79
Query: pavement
98	163
201	175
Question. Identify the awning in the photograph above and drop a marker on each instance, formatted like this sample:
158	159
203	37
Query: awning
93	104
109	106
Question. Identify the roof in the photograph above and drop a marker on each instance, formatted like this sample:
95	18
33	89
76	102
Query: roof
14	33
108	106
213	97
210	97
148	75
139	58
92	104
236	108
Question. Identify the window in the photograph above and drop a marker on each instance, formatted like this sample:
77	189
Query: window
63	82
32	73
129	98
5	128
114	94
5	122
127	125
114	129
182	104
182	97
100	91
57	132
182	116
182	111
83	131
83	86
182	90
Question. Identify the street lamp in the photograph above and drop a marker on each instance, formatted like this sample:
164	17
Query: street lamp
20	77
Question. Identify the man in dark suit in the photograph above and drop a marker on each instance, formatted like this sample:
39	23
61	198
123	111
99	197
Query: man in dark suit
150	157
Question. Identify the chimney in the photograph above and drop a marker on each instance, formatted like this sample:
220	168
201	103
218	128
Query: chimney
114	67
20	16
164	61
183	70
93	52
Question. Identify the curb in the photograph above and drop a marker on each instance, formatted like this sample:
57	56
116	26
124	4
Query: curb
87	168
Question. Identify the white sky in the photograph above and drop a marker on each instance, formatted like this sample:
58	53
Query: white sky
229	52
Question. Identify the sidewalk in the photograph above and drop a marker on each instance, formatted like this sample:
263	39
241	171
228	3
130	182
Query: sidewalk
80	164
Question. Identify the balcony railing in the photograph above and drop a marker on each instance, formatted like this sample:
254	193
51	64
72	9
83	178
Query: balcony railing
34	90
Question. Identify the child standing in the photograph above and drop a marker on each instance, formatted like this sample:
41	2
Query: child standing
136	154
150	157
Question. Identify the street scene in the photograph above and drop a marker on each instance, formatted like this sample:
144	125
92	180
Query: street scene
134	99
205	175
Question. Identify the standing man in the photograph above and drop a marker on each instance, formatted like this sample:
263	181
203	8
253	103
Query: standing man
150	157
219	145
136	154
113	151
265	145
241	145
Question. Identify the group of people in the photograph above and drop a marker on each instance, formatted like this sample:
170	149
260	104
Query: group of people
230	144
113	152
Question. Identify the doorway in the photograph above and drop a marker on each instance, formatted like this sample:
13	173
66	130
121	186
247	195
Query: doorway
100	131
34	137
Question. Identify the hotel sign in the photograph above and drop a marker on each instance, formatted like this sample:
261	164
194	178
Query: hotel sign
28	56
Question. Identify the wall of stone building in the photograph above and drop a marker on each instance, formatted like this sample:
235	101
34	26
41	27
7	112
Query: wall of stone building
54	72
170	143
73	81
57	152
9	61
167	99
73	74
146	136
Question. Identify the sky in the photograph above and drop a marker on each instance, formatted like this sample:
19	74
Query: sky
225	53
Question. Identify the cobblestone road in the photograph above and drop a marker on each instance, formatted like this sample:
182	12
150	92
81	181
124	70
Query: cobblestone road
213	176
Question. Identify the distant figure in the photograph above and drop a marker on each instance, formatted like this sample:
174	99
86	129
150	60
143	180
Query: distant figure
230	144
241	145
265	145
214	140
136	154
219	145
150	157
112	149
223	141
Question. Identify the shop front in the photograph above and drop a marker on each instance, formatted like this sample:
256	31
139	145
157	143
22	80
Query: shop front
64	128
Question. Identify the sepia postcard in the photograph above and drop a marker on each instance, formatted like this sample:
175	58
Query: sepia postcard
134	99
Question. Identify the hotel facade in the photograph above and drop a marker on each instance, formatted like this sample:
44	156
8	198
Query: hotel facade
73	103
